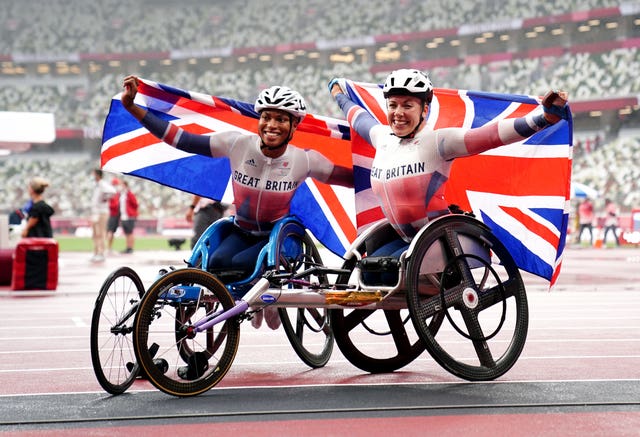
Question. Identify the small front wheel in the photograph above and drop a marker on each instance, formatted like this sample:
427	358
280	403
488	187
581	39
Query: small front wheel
112	353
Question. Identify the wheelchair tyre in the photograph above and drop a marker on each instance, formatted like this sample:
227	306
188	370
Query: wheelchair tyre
162	332
364	327
112	354
480	292
308	329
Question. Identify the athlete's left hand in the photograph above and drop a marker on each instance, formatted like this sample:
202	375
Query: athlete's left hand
555	106
337	85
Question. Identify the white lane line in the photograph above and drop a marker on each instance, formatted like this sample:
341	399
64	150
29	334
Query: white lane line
79	322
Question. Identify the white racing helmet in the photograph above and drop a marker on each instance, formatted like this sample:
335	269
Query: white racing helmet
282	98
408	82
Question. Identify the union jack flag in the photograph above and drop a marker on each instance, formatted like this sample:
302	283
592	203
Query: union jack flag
521	191
129	148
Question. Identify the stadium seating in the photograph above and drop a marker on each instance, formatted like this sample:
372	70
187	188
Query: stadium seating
139	27
116	26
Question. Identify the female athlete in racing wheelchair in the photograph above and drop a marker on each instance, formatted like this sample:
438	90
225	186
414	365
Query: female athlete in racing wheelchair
441	262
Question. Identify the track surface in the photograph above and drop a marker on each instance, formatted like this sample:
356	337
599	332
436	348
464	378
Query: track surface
579	374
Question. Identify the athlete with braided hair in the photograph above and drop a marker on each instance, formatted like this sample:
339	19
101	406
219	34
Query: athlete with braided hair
412	164
265	171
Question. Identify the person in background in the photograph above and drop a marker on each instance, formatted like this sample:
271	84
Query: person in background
19	214
102	193
128	215
585	219
610	221
575	225
202	212
39	218
114	215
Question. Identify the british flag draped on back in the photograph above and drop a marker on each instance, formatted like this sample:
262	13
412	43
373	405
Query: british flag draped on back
521	191
129	148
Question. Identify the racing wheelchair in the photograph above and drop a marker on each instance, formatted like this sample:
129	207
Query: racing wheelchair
459	287
289	249
456	283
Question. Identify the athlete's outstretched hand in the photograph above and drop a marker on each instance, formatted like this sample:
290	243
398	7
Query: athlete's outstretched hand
130	85
337	85
555	106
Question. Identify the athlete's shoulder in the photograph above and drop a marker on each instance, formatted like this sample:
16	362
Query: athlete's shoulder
382	136
231	136
236	142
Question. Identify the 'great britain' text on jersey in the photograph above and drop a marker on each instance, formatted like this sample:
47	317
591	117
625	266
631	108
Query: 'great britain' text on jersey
281	185
270	185
246	180
399	171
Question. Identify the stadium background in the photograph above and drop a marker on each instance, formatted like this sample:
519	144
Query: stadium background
68	57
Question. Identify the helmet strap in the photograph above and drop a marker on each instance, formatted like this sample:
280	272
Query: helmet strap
264	146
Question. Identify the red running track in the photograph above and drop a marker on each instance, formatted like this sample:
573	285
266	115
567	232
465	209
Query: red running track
586	329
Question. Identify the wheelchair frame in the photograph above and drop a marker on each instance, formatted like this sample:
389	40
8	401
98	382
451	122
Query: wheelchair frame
461	275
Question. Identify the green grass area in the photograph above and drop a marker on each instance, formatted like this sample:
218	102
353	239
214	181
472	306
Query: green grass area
85	244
